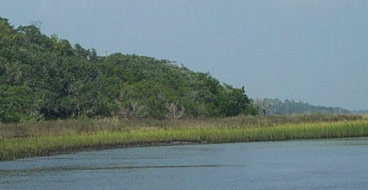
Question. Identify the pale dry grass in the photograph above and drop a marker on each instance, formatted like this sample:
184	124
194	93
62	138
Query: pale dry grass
46	145
90	126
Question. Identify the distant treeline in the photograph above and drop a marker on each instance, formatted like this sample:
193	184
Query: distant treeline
360	111
44	77
278	107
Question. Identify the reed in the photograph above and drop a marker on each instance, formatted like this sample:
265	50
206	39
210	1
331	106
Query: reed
13	148
90	126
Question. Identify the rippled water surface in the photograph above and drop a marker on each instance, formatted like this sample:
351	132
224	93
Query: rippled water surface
312	164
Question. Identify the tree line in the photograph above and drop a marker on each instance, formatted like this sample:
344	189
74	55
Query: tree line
44	77
279	107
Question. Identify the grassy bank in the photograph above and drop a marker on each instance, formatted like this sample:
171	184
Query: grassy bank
88	126
116	133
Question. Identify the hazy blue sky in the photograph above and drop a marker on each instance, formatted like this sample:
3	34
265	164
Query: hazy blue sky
310	50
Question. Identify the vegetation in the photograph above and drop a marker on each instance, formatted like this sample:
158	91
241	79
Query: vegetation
278	107
52	137
90	126
360	112
44	77
55	97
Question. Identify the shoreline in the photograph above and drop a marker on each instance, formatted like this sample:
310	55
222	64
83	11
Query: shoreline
171	143
118	146
159	144
16	148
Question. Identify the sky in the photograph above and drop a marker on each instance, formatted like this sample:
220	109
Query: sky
307	50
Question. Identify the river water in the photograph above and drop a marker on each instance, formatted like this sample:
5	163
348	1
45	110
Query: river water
310	164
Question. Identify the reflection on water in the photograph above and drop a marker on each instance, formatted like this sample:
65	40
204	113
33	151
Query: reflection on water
310	164
91	168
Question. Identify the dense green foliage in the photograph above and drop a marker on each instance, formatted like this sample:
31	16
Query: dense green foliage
44	77
276	106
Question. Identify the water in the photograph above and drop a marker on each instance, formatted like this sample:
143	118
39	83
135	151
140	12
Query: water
313	164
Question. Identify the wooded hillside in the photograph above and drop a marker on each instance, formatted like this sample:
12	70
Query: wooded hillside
44	77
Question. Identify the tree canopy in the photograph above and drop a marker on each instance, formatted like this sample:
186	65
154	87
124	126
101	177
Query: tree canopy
44	77
278	107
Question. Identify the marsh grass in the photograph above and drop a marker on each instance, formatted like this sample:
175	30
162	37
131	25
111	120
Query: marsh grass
75	135
364	116
86	125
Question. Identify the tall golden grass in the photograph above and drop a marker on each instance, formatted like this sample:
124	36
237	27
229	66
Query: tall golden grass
87	125
77	135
